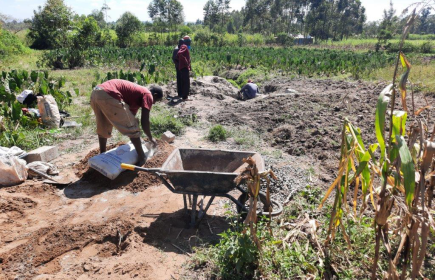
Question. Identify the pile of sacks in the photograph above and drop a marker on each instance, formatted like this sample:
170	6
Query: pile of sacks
14	169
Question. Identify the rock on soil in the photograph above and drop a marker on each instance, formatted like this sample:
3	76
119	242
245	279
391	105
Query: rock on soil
127	180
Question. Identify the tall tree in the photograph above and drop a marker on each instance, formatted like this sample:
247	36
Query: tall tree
126	26
211	14
99	17
223	7
104	10
50	25
216	12
167	12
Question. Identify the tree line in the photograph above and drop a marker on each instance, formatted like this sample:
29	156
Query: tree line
55	25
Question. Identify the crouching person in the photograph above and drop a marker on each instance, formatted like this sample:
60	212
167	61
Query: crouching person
248	91
115	104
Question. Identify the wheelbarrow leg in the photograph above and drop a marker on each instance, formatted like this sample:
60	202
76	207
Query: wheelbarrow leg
193	214
202	214
185	204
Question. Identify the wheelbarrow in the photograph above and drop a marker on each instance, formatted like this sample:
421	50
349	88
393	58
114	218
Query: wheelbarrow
208	173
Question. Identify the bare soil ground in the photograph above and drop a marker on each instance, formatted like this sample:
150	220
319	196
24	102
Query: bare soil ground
133	227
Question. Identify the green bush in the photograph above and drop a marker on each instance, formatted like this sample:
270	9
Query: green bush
406	48
10	44
284	39
253	74
426	47
217	133
237	255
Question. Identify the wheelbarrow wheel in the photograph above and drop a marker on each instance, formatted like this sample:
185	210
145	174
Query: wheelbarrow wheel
276	206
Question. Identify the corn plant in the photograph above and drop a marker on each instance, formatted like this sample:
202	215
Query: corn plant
253	181
405	169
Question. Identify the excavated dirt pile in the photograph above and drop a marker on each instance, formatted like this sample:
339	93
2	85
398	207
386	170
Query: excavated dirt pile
47	244
128	180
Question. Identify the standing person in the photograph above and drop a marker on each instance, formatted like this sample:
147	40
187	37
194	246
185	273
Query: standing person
115	104
183	56
187	41
175	60
248	91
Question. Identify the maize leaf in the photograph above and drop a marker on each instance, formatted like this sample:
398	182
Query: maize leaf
381	109
399	121
404	79
407	168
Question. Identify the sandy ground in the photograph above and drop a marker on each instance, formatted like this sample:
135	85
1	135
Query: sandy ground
96	229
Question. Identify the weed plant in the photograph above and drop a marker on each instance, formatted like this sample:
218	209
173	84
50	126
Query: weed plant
217	133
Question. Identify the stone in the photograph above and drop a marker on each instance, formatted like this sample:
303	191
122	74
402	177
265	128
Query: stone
45	153
289	90
168	137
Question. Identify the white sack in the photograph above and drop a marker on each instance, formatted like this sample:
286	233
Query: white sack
12	170
14	150
49	111
22	96
43	167
109	163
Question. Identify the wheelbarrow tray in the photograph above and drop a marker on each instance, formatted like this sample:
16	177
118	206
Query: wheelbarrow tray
206	171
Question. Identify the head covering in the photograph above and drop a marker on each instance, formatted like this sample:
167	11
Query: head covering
180	43
187	41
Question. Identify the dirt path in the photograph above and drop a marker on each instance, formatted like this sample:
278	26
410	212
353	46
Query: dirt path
74	232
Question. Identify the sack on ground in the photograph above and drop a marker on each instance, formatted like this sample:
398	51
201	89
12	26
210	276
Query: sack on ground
49	111
109	163
12	170
43	167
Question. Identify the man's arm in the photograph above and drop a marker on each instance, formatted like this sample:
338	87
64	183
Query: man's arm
145	122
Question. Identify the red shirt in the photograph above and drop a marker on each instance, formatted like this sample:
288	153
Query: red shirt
134	95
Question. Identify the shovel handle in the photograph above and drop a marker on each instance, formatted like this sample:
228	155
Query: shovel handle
138	168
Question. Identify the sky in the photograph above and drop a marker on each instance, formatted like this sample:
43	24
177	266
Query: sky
22	9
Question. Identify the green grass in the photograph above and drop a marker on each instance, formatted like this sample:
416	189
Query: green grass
164	118
217	133
246	137
291	253
420	75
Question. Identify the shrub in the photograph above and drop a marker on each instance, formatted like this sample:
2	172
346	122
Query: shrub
237	255
426	47
202	37
394	47
217	133
10	44
284	39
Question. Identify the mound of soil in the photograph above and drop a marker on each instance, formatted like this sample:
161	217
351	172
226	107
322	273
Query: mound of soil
46	244
14	207
32	187
128	180
210	86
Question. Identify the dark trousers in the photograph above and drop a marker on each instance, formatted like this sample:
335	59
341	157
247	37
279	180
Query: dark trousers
179	90
184	83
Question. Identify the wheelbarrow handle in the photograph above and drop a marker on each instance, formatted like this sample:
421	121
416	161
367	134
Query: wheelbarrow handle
138	168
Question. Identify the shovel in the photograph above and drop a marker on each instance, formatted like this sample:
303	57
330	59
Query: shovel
51	180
